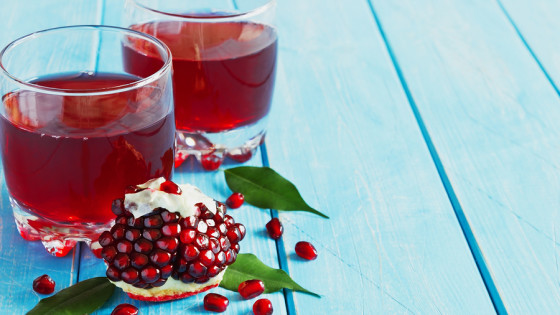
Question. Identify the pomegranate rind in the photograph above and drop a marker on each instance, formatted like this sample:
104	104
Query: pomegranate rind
170	296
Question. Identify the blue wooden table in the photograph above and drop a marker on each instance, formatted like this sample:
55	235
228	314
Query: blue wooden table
428	130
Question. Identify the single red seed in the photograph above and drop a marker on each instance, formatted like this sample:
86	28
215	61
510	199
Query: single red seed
211	162
262	307
160	257
251	288
167	243
187	236
274	228
121	261
306	250
235	200
113	273
150	274
215	303
105	238
124	246
171	229
170	187
125	309
118	207
130	276
43	285
197	270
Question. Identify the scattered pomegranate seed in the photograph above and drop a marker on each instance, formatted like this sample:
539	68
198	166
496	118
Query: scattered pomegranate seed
251	288
306	250
211	162
43	285
235	200
125	309
170	187
262	307
275	228
242	155
215	302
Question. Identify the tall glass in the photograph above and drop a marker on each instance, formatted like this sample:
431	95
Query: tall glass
224	61
77	128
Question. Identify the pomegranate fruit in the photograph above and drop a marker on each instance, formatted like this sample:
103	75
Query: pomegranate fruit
169	242
125	309
306	250
43	285
235	200
274	228
215	302
251	288
262	307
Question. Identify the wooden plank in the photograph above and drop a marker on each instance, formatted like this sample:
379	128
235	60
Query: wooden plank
21	261
493	118
342	130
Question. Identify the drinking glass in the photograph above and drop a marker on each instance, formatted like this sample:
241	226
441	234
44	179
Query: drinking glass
77	128
224	63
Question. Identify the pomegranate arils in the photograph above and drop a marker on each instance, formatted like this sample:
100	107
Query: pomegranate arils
197	270
170	187
151	234
113	273
251	288
167	243
43	285
132	234
105	238
235	200
143	246
117	207
210	162
187	236
262	307
125	309
109	253
153	221
150	274
168	216
121	261
171	229
146	251
274	228
306	250
124	246
121	220
215	302
130	276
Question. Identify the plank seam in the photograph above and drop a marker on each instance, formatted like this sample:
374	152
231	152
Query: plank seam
282	256
526	44
476	252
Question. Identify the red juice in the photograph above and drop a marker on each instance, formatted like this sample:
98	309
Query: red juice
70	160
223	72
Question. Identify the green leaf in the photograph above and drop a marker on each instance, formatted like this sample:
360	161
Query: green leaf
248	267
264	188
82	298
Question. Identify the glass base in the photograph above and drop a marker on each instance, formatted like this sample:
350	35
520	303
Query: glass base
57	238
210	149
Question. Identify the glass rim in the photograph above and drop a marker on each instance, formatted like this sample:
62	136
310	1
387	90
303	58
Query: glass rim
221	18
84	92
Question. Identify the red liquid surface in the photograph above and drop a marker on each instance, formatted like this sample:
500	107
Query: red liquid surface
223	73
68	160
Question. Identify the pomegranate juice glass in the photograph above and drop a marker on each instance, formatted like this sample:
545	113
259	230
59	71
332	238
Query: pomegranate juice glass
224	63
77	128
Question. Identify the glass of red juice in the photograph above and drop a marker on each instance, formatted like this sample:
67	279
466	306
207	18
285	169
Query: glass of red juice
77	128
224	64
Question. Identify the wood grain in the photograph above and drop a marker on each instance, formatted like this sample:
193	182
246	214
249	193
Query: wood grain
21	261
342	129
493	118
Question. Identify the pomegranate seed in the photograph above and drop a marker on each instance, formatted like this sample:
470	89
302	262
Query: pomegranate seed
130	276
170	187
211	162
121	261
187	236
215	302
113	273
43	285
105	238
154	221
274	228
251	288
169	217
262	307
243	155
235	200
197	269
306	251
150	274
118	207
171	229
167	243
125	309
